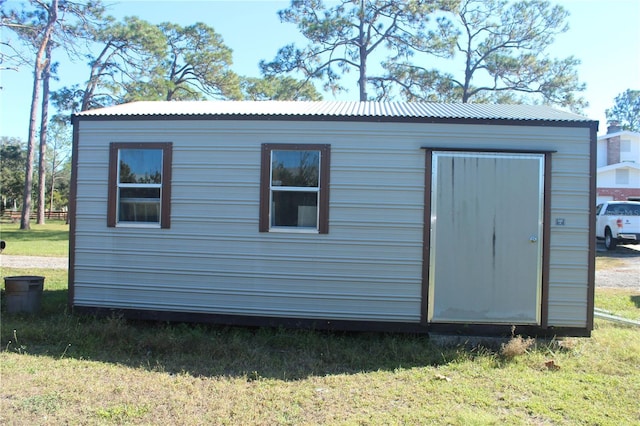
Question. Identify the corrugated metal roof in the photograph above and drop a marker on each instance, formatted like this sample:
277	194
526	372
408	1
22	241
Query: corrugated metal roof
337	109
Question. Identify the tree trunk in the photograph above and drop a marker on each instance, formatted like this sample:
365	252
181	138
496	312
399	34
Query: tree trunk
362	81
362	78
96	70
44	121
468	74
35	98
53	188
28	175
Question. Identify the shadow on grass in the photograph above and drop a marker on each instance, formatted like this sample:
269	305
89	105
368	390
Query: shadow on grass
209	350
635	300
620	252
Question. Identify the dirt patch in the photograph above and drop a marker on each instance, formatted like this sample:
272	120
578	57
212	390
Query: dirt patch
31	262
619	268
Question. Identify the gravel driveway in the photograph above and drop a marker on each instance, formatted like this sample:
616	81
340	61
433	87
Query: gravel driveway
626	276
24	262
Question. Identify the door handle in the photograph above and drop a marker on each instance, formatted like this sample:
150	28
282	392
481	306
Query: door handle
533	239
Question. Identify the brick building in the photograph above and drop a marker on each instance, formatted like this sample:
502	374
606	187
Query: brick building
618	162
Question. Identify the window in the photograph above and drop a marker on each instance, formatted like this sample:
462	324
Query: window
623	210
294	188
139	184
622	176
625	145
598	208
627	154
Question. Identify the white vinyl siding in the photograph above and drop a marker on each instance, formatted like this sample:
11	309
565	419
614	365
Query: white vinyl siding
369	267
610	178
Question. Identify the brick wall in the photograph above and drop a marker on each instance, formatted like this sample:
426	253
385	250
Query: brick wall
619	194
613	150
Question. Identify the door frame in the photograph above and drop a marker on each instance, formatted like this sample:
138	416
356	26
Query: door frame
426	241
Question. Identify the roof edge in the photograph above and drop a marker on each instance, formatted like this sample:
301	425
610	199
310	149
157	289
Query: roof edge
337	111
620	133
621	165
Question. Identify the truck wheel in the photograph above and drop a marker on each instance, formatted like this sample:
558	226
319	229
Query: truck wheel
610	243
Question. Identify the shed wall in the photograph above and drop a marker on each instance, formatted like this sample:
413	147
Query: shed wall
368	267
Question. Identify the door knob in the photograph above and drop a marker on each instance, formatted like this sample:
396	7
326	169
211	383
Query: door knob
533	239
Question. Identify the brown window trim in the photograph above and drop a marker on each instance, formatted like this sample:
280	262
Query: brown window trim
265	177
165	201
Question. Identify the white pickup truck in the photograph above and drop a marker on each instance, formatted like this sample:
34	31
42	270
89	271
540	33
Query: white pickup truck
618	222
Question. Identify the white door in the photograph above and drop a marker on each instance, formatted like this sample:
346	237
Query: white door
485	254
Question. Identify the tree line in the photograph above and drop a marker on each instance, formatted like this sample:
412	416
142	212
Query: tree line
127	60
57	170
394	48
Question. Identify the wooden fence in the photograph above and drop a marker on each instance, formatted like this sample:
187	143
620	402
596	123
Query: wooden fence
14	216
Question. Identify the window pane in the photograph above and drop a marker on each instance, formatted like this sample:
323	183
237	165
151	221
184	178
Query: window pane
140	166
294	209
295	168
139	205
622	176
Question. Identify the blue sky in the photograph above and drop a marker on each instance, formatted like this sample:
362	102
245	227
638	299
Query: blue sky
603	34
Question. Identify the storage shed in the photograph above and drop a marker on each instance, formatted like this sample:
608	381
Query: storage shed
349	215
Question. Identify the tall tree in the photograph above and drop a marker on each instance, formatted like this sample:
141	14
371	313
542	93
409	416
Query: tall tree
44	122
44	26
626	110
279	88
126	52
40	64
140	61
196	64
345	36
503	49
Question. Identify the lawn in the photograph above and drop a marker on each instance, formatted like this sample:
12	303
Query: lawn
51	239
59	368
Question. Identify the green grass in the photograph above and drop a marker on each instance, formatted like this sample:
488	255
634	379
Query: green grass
59	368
51	239
619	302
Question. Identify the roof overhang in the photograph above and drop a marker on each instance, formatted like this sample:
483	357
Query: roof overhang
624	165
621	133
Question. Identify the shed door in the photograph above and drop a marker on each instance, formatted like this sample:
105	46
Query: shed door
485	259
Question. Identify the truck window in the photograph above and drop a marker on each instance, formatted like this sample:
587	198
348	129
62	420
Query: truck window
612	209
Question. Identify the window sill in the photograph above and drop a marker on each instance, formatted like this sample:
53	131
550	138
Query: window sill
138	225
294	230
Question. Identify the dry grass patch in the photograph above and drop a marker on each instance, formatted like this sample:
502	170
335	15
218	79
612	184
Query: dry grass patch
516	346
605	263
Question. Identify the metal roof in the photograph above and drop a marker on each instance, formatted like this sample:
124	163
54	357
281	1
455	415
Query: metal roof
359	111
